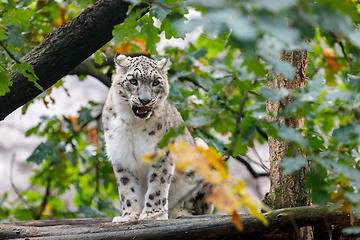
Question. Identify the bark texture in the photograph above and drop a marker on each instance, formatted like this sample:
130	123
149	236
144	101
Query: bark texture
64	49
282	224
287	190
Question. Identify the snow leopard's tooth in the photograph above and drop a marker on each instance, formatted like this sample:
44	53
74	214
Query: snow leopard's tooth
145	111
137	111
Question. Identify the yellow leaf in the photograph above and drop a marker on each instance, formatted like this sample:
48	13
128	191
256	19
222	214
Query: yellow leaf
236	220
330	77
225	199
203	61
230	90
201	160
215	160
48	207
185	155
149	158
328	52
209	175
347	207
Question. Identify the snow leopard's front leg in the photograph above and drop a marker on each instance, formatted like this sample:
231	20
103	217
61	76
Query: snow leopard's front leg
156	198
129	191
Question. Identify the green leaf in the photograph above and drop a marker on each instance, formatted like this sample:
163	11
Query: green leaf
26	106
118	33
274	5
5	83
353	197
14	37
2	33
205	83
289	134
275	94
170	31
128	27
84	115
283	68
27	71
328	123
346	134
159	12
291	165
316	181
19	17
213	46
87	211
134	2
351	230
354	81
277	26
198	121
97	58
241	27
354	37
33	130
172	133
40	153
151	33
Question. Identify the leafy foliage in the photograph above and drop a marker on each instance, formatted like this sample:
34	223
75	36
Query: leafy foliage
24	24
218	83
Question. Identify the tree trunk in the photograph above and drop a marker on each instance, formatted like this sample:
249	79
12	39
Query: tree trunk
287	190
64	49
281	226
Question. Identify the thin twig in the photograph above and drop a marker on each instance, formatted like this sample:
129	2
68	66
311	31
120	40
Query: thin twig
345	55
237	126
262	133
261	160
45	198
2	66
96	166
296	228
328	227
250	169
242	160
9	53
35	212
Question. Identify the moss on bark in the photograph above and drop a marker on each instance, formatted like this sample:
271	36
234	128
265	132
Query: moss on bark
287	190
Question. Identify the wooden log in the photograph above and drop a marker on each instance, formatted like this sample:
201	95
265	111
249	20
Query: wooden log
282	223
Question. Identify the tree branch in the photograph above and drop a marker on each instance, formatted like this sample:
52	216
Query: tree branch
9	53
88	67
63	49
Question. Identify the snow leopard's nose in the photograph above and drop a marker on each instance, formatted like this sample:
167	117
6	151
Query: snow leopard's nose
144	101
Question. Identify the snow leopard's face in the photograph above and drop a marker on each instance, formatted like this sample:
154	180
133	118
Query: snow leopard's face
142	82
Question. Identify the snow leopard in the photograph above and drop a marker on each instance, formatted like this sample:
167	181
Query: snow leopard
135	117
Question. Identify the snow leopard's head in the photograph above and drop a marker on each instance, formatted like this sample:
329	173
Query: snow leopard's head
142	82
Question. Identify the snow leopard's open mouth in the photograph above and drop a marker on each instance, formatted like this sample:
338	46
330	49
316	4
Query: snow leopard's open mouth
141	112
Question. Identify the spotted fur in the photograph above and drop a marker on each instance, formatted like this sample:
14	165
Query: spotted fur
136	115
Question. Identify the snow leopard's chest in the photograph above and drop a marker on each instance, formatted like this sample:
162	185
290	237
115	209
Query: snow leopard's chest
128	141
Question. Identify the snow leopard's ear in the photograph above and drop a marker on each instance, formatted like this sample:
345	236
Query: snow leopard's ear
122	63
164	65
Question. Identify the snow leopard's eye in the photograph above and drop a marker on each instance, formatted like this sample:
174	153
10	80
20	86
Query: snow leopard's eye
155	83
134	81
